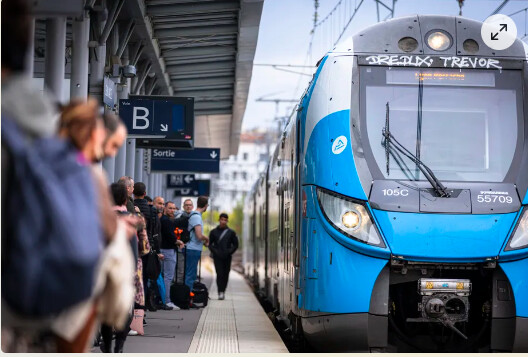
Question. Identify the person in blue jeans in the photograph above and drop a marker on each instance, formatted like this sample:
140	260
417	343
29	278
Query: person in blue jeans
195	244
169	249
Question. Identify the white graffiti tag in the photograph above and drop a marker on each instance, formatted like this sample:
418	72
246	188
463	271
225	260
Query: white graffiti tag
413	61
422	61
470	62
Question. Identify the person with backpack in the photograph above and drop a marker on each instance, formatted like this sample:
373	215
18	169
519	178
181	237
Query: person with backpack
31	308
169	247
151	261
223	242
197	241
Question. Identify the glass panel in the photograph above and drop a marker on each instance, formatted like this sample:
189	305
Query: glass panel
468	128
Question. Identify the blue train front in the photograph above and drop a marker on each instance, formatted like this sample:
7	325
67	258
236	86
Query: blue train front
406	190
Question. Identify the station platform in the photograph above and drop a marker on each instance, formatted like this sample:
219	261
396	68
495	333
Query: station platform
237	324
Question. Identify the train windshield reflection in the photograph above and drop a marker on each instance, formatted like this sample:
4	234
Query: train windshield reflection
463	124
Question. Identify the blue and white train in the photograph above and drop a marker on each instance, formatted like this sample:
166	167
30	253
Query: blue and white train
393	213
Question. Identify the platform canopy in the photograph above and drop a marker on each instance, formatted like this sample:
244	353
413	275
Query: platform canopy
202	49
189	48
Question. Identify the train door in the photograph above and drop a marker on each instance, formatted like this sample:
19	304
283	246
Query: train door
289	213
296	216
282	271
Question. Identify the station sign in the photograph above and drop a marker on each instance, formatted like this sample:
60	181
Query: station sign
180	180
201	160
197	188
159	121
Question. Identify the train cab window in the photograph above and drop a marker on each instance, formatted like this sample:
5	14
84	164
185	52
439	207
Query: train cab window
466	125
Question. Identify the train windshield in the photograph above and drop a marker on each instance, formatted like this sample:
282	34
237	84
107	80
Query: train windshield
464	125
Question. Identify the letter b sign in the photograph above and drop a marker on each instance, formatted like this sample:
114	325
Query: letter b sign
140	115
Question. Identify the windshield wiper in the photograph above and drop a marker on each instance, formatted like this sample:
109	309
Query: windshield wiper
390	143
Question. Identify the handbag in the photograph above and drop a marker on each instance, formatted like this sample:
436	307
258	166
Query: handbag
153	268
137	321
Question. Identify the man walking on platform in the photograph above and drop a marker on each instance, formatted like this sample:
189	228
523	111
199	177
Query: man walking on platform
223	242
195	245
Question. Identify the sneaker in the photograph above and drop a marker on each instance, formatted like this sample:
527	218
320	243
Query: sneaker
172	306
132	333
221	296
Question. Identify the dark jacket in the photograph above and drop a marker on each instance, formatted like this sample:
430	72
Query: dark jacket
226	247
130	205
168	238
153	224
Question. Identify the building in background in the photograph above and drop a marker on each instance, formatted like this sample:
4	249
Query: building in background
239	173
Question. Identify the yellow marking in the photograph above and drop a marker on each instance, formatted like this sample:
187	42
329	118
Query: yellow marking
460	286
429	285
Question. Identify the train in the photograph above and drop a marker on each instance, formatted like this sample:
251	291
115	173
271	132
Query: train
393	213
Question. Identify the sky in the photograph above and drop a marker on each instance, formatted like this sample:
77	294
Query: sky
284	39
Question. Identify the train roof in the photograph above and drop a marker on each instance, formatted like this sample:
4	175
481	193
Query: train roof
384	38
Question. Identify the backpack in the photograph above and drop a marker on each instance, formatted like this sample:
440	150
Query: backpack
53	236
181	229
153	227
201	294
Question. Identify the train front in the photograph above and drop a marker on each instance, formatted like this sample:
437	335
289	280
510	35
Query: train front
414	192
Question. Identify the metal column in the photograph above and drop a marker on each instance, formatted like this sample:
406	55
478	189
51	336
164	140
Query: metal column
55	56
97	64
146	181
138	166
109	166
158	184
80	60
153	184
130	157
122	156
30	55
110	163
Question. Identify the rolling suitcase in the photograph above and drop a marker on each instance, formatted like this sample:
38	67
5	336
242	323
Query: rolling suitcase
200	291
180	293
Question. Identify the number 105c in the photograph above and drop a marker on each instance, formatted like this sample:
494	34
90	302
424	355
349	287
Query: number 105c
494	198
395	192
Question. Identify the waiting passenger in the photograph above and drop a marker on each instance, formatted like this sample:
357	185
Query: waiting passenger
169	246
159	203
129	183
198	239
153	232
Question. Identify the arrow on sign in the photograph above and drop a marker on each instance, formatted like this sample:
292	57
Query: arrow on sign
188	179
504	27
164	127
494	36
213	155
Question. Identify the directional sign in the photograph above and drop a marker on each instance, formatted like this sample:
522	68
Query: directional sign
196	188
181	180
110	92
166	119
202	160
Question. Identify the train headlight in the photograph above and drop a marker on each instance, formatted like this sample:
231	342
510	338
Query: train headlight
519	239
349	217
438	40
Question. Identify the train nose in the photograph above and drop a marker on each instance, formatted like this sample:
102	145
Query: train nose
444	237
